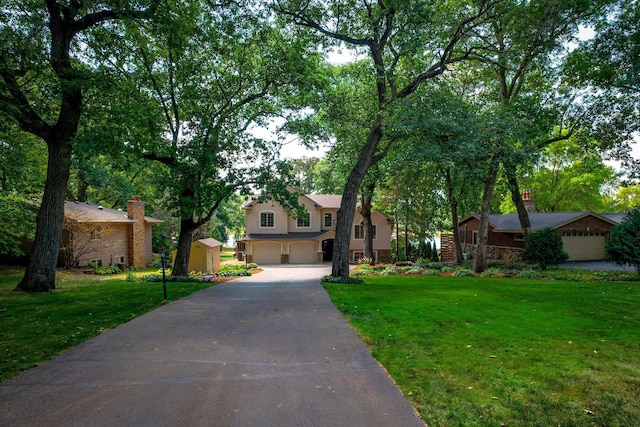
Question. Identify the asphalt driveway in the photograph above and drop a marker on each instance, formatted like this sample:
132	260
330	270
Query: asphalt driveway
266	350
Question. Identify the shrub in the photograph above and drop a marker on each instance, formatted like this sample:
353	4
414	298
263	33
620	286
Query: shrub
339	279
431	272
624	241
528	274
360	272
493	272
544	247
447	269
389	271
422	262
414	270
463	272
403	263
365	260
131	276
110	269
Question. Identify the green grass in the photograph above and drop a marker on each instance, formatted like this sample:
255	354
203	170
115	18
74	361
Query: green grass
227	253
36	327
488	352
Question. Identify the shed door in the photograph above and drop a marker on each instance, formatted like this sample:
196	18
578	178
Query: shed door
584	246
303	253
266	253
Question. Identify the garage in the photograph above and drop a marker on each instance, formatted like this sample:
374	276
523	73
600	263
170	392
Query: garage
303	253
584	246
266	253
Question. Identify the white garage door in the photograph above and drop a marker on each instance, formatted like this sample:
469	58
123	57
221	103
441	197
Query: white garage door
584	246
303	253
266	253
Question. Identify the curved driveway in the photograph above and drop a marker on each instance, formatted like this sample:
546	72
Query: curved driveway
266	350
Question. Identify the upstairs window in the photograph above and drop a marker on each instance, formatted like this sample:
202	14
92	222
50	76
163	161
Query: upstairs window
304	220
328	220
358	232
267	219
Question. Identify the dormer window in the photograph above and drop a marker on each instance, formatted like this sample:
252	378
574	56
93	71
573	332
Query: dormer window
267	219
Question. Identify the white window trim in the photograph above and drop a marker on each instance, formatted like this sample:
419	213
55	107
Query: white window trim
260	219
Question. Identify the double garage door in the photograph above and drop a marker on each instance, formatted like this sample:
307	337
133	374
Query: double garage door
584	246
299	253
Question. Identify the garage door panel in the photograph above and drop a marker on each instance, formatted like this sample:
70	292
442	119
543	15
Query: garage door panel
303	253
266	253
584	248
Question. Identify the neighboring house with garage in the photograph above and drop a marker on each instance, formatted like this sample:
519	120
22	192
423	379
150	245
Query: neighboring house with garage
584	234
93	234
274	236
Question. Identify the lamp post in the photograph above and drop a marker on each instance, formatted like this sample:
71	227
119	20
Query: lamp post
163	257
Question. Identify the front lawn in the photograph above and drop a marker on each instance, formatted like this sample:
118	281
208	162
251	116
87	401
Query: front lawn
36	327
489	352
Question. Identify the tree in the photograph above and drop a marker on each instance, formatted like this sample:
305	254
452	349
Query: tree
623	247
42	78
212	82
569	178
408	43
544	247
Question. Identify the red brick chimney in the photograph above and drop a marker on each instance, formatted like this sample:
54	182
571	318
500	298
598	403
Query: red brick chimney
136	235
529	204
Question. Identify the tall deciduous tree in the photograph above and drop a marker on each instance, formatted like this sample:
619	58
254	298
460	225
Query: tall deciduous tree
215	72
408	42
43	71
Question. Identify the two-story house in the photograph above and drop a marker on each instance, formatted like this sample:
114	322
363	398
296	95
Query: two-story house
275	237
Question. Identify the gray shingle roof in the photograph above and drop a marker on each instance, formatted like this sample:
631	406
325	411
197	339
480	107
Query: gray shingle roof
539	220
88	212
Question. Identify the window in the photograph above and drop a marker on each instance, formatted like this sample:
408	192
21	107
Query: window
267	219
358	232
96	262
96	233
328	220
518	237
475	237
304	220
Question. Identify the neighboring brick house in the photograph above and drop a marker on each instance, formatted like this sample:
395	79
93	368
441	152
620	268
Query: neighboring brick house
275	237
584	234
96	235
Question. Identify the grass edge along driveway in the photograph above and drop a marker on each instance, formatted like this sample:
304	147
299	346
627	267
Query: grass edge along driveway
485	352
35	328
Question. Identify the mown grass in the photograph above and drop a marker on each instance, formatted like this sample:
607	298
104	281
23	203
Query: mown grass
490	352
36	327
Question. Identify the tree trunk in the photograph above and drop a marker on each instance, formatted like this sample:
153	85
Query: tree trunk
181	263
40	274
516	197
344	217
406	233
480	259
365	211
397	225
453	203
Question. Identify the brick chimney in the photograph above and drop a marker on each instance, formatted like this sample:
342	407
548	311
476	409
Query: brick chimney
529	204
136	235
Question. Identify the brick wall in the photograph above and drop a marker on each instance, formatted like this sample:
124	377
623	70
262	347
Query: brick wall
136	246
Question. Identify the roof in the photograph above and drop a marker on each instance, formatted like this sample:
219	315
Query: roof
286	236
88	212
511	223
210	242
326	200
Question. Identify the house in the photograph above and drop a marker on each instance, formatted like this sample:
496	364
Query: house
273	236
100	236
584	234
204	255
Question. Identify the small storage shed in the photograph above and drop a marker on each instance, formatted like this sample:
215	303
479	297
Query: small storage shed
204	256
